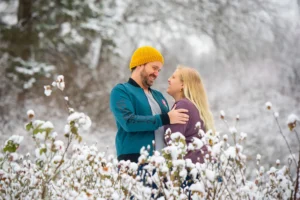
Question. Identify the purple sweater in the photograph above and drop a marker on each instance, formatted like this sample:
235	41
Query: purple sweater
189	129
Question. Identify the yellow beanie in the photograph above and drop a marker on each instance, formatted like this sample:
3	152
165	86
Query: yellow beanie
144	55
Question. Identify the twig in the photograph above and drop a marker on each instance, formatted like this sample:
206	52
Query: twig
226	123
297	178
5	157
280	130
161	188
60	163
297	136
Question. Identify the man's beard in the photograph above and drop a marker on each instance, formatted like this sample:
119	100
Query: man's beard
145	78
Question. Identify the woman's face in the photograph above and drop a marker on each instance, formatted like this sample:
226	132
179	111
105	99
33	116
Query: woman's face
175	84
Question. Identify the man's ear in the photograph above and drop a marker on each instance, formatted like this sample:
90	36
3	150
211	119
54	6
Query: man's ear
132	69
139	66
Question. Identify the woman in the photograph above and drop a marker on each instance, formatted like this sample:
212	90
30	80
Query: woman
186	87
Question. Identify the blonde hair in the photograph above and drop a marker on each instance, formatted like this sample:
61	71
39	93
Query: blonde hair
194	91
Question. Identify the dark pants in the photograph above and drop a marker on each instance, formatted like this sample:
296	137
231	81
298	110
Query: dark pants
144	174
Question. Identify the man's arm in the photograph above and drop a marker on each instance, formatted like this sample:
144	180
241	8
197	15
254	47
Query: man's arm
123	110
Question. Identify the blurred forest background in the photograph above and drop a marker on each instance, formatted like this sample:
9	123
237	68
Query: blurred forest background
248	53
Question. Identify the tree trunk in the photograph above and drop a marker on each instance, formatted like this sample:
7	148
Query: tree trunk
25	36
25	26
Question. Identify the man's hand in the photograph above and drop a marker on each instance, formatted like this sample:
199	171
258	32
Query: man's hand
178	116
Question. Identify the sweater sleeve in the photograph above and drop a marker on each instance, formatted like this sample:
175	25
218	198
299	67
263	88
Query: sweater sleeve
123	111
178	127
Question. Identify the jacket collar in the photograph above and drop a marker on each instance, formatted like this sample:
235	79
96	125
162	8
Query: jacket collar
134	83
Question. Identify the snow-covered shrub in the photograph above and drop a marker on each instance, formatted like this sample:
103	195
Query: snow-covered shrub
67	170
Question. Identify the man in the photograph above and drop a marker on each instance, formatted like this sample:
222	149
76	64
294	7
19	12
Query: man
140	112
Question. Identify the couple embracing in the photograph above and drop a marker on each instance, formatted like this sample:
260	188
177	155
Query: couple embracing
142	114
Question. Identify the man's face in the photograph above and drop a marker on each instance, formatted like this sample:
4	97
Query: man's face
149	73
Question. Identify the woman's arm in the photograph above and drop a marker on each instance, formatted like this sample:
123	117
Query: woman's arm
178	127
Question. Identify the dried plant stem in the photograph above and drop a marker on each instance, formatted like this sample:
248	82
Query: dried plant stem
297	137
297	178
280	131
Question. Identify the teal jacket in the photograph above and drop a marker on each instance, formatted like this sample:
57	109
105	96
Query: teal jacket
134	119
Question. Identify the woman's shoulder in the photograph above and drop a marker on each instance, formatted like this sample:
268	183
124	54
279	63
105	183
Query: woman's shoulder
184	103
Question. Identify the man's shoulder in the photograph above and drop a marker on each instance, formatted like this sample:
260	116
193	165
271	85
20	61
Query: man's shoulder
126	88
121	86
117	87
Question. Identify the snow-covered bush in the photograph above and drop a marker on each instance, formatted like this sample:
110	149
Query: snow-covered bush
62	170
